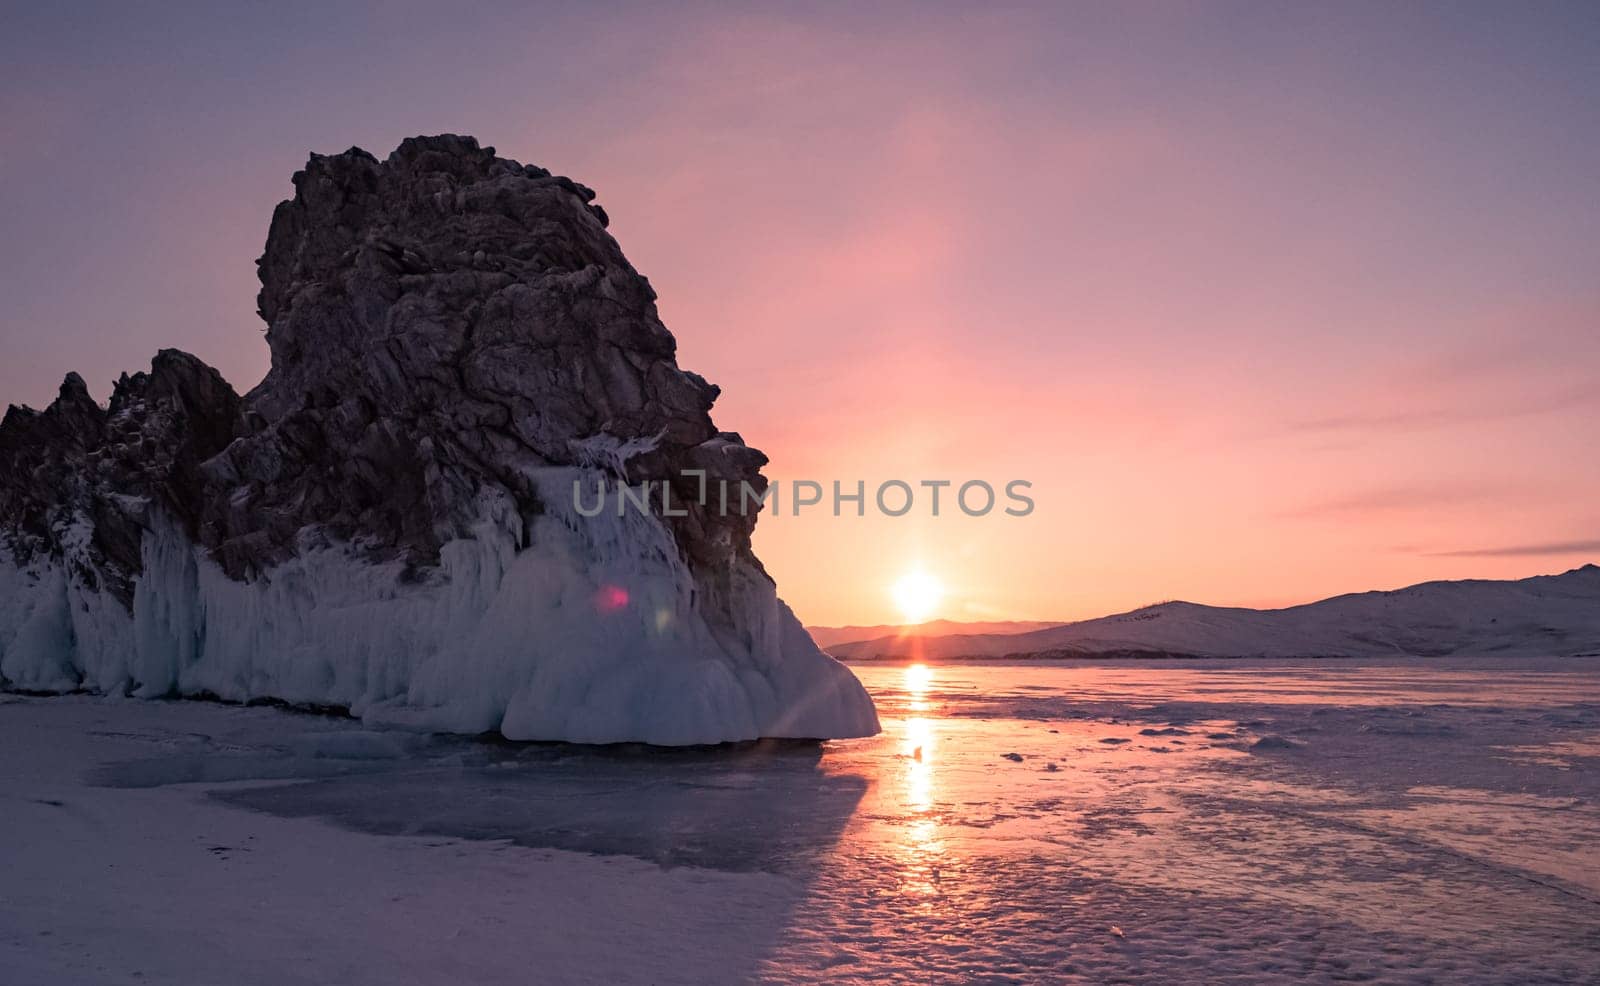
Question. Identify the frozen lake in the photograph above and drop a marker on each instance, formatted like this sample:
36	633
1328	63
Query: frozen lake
1167	822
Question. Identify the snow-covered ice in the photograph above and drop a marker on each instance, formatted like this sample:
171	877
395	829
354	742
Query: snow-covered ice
1420	822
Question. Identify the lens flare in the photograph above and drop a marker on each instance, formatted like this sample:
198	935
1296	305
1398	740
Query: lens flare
611	598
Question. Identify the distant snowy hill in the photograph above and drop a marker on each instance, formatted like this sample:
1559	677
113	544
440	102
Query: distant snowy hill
1544	616
829	637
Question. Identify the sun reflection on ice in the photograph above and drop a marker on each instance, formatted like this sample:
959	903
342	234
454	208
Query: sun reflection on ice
918	678
923	848
919	751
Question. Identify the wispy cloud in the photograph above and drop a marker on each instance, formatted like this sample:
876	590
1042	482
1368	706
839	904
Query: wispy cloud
1522	550
1399	499
1418	419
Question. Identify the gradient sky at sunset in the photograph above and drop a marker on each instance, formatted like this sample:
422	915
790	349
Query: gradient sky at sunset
1268	301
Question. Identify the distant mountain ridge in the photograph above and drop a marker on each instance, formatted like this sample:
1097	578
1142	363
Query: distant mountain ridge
1542	616
833	636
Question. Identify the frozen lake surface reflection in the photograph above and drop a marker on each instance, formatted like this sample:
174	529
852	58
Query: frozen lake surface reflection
1217	822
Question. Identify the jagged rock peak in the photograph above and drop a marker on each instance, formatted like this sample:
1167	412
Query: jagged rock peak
78	479
442	319
387	521
435	171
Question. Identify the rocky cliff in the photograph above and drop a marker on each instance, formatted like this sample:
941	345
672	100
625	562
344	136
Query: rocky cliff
387	522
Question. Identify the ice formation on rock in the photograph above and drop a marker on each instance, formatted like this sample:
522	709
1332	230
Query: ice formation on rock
386	523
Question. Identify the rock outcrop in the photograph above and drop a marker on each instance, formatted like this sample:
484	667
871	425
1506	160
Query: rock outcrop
387	522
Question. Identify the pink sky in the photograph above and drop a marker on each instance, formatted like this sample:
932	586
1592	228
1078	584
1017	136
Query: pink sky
1267	304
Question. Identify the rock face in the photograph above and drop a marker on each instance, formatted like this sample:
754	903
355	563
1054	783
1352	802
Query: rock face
387	522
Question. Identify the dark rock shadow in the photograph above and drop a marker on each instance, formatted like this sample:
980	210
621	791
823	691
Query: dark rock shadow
767	808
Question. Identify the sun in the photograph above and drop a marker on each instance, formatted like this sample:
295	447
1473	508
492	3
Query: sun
918	595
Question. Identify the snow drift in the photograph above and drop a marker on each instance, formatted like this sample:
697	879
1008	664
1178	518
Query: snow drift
386	523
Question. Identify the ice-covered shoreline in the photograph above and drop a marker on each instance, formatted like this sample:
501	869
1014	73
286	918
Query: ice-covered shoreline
594	638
